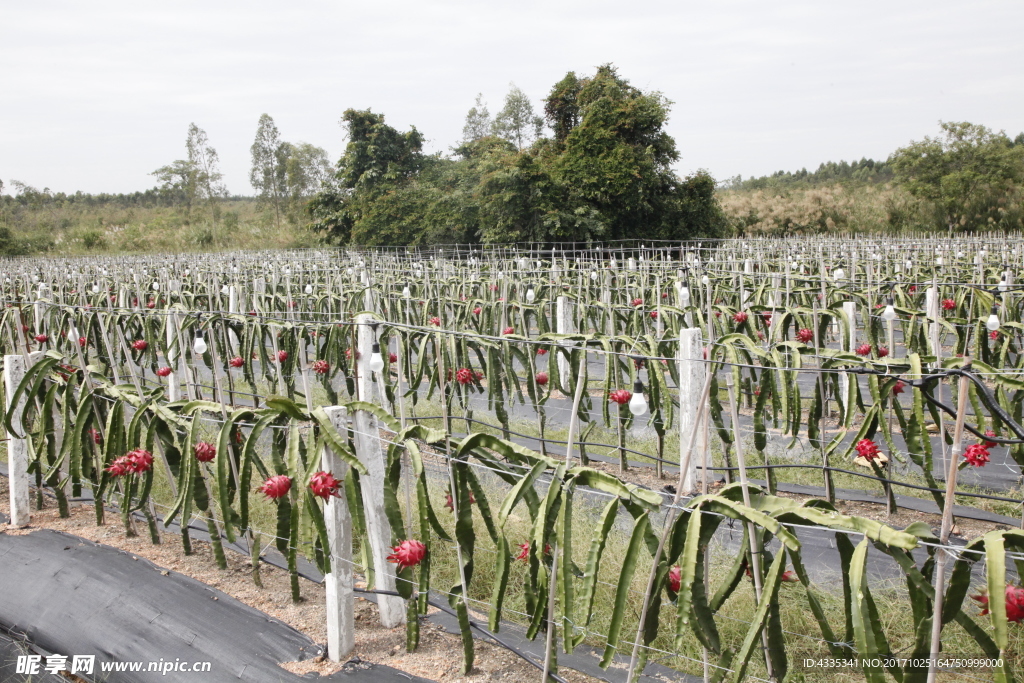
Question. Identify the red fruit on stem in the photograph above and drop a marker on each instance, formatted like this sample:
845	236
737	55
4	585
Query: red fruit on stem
864	350
464	376
542	378
139	461
867	449
408	553
140	344
205	452
789	576
236	362
82	341
1014	603
42	338
760	335
324	485
739	317
675	578
476	311
393	357
435	321
637	302
164	371
898	388
993	335
509	330
990	444
276	487
24	328
976	455
321	367
151	304
119	467
883	351
95	435
805	335
479	374
541	351
620	396
282	356
654	315
948	304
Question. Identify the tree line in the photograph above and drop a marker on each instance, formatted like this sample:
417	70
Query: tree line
603	173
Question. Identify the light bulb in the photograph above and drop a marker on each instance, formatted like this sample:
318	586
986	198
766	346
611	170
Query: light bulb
309	289
349	271
593	275
638	404
405	292
840	273
376	360
993	321
199	346
1002	285
530	296
614	263
224	289
685	295
938	261
95	289
419	273
959	254
705	280
889	314
156	286
501	275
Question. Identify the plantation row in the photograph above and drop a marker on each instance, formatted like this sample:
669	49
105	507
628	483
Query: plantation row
191	383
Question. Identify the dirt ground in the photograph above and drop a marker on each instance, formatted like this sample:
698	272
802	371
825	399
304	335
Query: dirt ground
438	658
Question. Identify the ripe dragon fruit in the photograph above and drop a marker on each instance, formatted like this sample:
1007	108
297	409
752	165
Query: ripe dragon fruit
408	553
282	356
739	317
164	371
321	367
276	487
140	344
976	455
1014	603
806	335
542	378
620	396
236	362
324	485
464	376
205	452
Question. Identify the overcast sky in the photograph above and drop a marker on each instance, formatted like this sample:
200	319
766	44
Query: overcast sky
95	95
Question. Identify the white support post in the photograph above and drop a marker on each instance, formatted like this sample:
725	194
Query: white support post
368	450
17	448
339	583
364	342
850	309
692	372
565	323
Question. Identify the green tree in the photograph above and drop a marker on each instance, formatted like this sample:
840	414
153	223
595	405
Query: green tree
268	173
516	121
196	178
968	171
478	122
378	164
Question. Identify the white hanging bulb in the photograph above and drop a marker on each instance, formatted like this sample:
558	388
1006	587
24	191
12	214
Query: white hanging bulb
95	289
840	274
593	275
938	261
993	321
376	360
889	314
309	289
1002	285
530	295
685	295
638	404
199	345
406	292
156	286
224	289
705	280
419	273
959	254
349	271
501	275
614	263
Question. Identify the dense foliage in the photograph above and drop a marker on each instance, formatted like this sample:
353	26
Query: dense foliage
605	175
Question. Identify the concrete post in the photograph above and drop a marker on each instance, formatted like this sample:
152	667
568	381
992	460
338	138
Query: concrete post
692	372
17	447
339	583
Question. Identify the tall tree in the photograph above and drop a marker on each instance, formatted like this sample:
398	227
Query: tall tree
516	121
307	169
966	172
374	176
268	172
478	122
195	178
